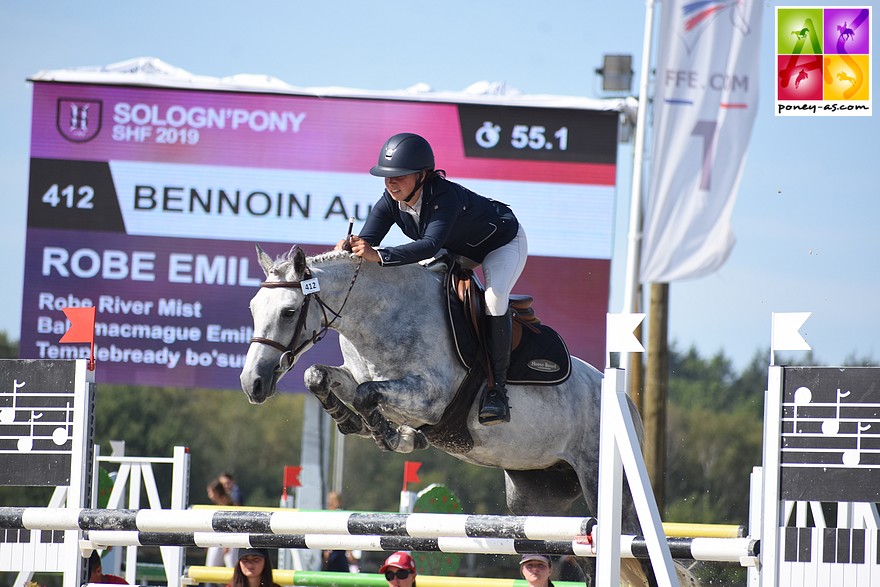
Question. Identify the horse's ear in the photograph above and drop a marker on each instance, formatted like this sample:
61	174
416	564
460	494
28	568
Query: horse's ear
298	257
265	260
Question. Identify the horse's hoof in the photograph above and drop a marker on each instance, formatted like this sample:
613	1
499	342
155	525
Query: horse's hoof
350	426
383	444
316	381
420	441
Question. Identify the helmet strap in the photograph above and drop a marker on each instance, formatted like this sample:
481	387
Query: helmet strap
423	175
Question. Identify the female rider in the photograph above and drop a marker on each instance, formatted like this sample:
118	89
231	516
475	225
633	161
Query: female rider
439	214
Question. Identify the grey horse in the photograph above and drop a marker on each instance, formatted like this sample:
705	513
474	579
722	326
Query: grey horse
400	373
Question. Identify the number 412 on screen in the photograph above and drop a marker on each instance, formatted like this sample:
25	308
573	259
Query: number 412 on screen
70	196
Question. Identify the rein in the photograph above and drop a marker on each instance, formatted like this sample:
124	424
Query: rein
288	352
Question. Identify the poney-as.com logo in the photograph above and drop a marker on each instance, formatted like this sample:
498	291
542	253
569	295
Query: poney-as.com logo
823	61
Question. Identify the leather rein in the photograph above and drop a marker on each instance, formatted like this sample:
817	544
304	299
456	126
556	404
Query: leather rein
288	352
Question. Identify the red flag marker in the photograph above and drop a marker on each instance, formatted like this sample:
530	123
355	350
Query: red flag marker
82	329
410	472
291	479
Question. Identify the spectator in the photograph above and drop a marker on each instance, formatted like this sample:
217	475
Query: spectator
254	569
535	569
217	493
96	573
400	570
231	487
334	500
218	556
337	561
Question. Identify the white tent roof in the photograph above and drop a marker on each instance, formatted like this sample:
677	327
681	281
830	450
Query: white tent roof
150	71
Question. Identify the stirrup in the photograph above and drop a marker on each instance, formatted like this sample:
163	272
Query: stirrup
494	409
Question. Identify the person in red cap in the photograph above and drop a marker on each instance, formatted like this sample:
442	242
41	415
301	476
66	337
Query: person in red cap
400	570
96	572
535	569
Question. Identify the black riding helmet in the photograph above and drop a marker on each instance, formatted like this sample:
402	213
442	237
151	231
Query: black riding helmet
403	154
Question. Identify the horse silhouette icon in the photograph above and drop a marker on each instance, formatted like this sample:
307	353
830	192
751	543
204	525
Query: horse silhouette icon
842	76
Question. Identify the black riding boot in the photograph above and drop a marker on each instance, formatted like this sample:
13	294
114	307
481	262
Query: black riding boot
494	409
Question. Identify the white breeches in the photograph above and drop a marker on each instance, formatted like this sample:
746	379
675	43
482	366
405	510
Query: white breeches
501	268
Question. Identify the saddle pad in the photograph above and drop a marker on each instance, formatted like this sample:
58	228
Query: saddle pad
540	358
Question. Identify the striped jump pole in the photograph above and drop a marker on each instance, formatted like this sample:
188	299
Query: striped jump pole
300	522
223	575
671	529
701	549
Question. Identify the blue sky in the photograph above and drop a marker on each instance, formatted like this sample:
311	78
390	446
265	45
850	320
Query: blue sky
808	208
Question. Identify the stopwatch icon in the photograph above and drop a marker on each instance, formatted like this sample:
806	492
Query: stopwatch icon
488	135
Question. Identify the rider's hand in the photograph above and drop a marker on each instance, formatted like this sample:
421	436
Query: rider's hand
363	249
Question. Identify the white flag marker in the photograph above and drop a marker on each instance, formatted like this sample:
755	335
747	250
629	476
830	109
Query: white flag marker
619	333
784	331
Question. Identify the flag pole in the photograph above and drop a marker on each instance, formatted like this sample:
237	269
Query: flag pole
634	238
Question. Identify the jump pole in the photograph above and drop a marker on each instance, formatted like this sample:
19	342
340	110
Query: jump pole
671	529
732	550
223	575
299	522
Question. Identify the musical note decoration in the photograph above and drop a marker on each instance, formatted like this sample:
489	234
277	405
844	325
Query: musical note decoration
802	397
851	458
26	443
63	433
7	415
831	426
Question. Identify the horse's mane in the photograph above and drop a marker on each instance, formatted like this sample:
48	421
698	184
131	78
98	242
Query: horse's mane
284	263
329	256
334	256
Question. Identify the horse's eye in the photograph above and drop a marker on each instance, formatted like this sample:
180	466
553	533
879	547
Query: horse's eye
288	313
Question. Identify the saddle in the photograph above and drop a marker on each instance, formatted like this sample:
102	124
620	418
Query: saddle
538	355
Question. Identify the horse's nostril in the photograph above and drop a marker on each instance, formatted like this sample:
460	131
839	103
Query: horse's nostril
258	394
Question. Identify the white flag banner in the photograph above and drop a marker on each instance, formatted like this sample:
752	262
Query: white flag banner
785	331
705	101
619	337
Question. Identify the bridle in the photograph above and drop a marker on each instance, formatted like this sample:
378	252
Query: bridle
288	352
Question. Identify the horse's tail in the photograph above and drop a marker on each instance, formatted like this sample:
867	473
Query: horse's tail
632	575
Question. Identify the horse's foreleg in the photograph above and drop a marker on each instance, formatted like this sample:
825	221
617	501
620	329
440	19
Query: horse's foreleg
404	438
322	381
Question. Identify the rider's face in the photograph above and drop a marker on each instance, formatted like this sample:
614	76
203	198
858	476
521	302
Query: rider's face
402	186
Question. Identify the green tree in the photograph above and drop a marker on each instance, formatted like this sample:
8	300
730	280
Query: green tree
221	429
714	436
8	347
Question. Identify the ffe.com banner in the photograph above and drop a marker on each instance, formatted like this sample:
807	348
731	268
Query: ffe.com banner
147	202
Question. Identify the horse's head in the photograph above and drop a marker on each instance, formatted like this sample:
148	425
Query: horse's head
283	327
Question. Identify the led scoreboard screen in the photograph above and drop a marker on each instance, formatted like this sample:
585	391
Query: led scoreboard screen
146	202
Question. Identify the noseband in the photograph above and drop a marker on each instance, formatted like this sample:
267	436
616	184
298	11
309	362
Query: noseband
289	352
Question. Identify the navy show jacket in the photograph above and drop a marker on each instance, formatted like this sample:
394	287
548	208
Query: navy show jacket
452	218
